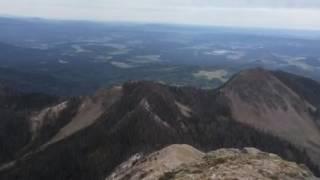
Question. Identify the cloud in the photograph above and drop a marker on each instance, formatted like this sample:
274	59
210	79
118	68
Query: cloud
264	3
302	14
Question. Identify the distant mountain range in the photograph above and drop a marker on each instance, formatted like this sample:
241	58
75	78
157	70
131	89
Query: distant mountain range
88	137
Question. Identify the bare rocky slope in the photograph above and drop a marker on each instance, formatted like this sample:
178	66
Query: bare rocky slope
156	164
183	162
246	163
89	137
260	99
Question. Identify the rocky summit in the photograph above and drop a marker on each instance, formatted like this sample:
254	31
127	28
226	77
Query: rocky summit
184	162
244	164
240	164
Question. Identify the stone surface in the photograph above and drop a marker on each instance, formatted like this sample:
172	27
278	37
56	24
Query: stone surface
245	164
156	164
184	162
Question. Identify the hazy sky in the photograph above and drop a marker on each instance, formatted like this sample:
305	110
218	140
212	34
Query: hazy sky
300	14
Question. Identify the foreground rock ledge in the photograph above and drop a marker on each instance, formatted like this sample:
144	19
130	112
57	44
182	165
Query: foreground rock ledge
244	164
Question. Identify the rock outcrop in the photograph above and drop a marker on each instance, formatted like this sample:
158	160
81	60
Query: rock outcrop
156	164
248	163
183	162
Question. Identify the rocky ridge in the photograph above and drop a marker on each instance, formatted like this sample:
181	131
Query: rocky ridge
240	164
183	162
89	137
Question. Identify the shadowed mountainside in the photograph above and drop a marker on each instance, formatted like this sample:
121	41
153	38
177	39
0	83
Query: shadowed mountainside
88	137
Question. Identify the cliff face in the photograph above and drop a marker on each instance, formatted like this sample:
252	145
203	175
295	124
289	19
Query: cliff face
183	162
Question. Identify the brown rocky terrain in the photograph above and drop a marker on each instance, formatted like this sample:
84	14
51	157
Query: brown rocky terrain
183	162
260	99
153	166
240	164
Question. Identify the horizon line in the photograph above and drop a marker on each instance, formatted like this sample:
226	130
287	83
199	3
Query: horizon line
156	23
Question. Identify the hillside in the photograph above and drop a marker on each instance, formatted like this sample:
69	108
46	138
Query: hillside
89	137
15	108
262	100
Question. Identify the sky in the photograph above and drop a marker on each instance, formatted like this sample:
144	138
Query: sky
289	14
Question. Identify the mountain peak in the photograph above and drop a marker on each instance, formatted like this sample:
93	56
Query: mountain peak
260	99
260	86
153	166
251	76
